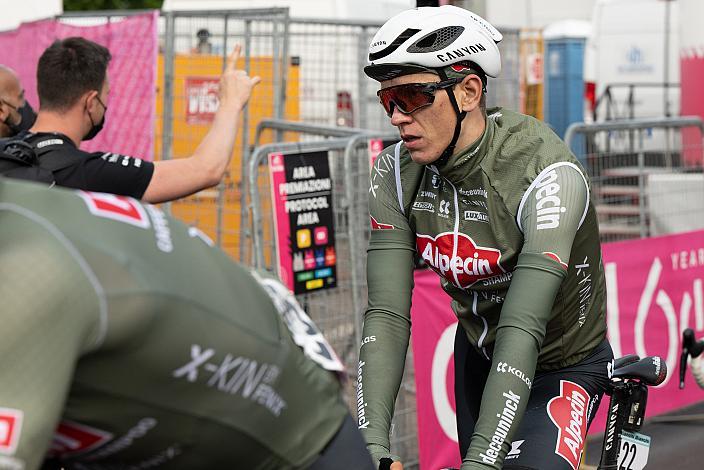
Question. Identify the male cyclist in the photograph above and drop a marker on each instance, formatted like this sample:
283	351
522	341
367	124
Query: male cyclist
495	203
133	344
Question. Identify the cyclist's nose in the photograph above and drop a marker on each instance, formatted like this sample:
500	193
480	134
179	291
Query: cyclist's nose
398	117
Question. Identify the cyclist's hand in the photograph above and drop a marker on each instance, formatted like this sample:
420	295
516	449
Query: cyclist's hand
383	458
235	85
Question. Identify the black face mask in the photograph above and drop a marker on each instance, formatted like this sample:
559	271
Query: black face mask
27	118
96	128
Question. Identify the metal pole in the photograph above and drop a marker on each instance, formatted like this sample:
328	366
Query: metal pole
362	46
167	125
641	193
220	201
285	62
276	72
245	233
666	67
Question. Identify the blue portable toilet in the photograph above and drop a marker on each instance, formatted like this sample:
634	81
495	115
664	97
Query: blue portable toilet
564	79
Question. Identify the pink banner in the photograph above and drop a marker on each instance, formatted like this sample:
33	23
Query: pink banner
692	104
654	288
433	340
282	231
133	44
654	292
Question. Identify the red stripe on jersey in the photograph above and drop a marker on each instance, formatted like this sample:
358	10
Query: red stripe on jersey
552	255
379	226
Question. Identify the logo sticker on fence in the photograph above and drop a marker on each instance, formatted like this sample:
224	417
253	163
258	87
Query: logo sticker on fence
301	191
201	99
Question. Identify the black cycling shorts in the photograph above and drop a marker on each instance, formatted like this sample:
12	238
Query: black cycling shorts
546	439
347	449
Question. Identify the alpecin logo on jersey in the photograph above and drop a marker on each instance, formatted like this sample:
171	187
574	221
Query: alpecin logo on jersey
469	264
569	412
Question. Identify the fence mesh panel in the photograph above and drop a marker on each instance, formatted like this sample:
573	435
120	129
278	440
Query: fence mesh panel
646	178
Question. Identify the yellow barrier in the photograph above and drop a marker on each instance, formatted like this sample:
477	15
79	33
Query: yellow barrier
195	92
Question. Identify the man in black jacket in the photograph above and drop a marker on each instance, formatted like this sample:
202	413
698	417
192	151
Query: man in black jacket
16	114
73	89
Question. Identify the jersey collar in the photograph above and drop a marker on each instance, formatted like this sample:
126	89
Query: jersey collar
458	166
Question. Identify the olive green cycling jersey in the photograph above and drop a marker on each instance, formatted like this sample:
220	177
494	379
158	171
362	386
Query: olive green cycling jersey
509	227
127	341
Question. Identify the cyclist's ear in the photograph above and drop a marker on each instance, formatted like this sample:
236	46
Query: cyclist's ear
469	93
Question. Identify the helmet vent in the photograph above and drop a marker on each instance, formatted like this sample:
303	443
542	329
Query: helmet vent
437	40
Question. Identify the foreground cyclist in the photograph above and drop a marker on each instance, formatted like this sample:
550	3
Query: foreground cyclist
151	349
496	204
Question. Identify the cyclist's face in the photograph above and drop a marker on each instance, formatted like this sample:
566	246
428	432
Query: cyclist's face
428	130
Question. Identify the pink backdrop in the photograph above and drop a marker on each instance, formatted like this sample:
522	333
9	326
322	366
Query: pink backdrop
654	292
277	177
129	126
692	104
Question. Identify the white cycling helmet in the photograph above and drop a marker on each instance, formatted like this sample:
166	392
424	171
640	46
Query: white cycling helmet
426	39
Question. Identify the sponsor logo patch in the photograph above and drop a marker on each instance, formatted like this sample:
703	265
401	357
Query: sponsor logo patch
547	202
362	422
48	142
569	412
444	210
502	428
463	267
476	216
505	368
236	376
515	451
585	289
435	181
10	429
423	206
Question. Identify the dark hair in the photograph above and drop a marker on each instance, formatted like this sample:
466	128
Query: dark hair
69	68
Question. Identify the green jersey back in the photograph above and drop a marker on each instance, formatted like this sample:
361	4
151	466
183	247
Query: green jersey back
148	346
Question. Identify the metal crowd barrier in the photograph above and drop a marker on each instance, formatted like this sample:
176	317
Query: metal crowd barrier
646	174
338	311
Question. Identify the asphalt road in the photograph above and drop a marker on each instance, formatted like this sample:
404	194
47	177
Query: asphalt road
677	445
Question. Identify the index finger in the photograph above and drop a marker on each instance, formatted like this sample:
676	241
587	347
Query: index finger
234	57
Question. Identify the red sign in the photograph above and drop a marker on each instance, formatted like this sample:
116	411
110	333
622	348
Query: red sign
201	99
10	428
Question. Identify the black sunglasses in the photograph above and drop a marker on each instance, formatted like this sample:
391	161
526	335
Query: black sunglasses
411	97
